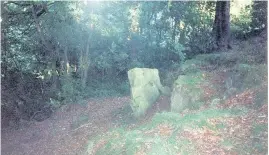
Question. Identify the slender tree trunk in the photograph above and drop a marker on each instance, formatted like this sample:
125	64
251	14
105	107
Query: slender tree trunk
67	66
174	30
56	69
159	37
86	64
182	36
4	47
80	67
221	26
39	30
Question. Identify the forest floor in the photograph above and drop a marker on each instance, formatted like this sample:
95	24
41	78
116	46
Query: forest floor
68	131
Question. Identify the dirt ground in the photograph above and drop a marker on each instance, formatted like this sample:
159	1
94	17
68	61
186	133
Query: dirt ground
60	135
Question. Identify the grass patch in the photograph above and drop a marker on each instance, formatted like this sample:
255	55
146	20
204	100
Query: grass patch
149	138
226	143
220	126
239	111
195	106
193	119
192	66
190	79
132	142
259	128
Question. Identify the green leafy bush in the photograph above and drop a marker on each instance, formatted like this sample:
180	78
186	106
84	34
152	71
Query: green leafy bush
71	91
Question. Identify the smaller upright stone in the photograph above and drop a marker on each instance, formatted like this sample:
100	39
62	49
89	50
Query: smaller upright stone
187	93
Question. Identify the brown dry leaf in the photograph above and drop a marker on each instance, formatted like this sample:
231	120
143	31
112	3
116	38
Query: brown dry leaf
246	98
206	140
165	130
210	136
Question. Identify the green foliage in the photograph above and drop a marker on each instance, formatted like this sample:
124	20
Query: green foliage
259	14
56	103
70	91
240	24
107	88
250	21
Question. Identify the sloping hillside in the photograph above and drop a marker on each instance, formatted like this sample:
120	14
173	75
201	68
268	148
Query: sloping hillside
230	117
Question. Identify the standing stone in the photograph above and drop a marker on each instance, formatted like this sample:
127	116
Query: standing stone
187	93
145	89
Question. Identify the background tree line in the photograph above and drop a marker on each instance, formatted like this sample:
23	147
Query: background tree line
56	53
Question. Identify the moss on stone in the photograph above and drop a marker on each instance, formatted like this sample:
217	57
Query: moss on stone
187	92
145	89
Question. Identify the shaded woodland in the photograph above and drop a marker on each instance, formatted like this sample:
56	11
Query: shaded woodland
57	54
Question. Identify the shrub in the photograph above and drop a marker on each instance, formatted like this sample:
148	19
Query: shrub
70	91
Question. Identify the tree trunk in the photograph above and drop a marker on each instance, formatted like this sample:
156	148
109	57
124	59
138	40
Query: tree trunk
56	70
67	66
80	64
221	26
39	30
86	64
174	30
4	44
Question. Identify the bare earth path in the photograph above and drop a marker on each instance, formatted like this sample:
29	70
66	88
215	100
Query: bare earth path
59	134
